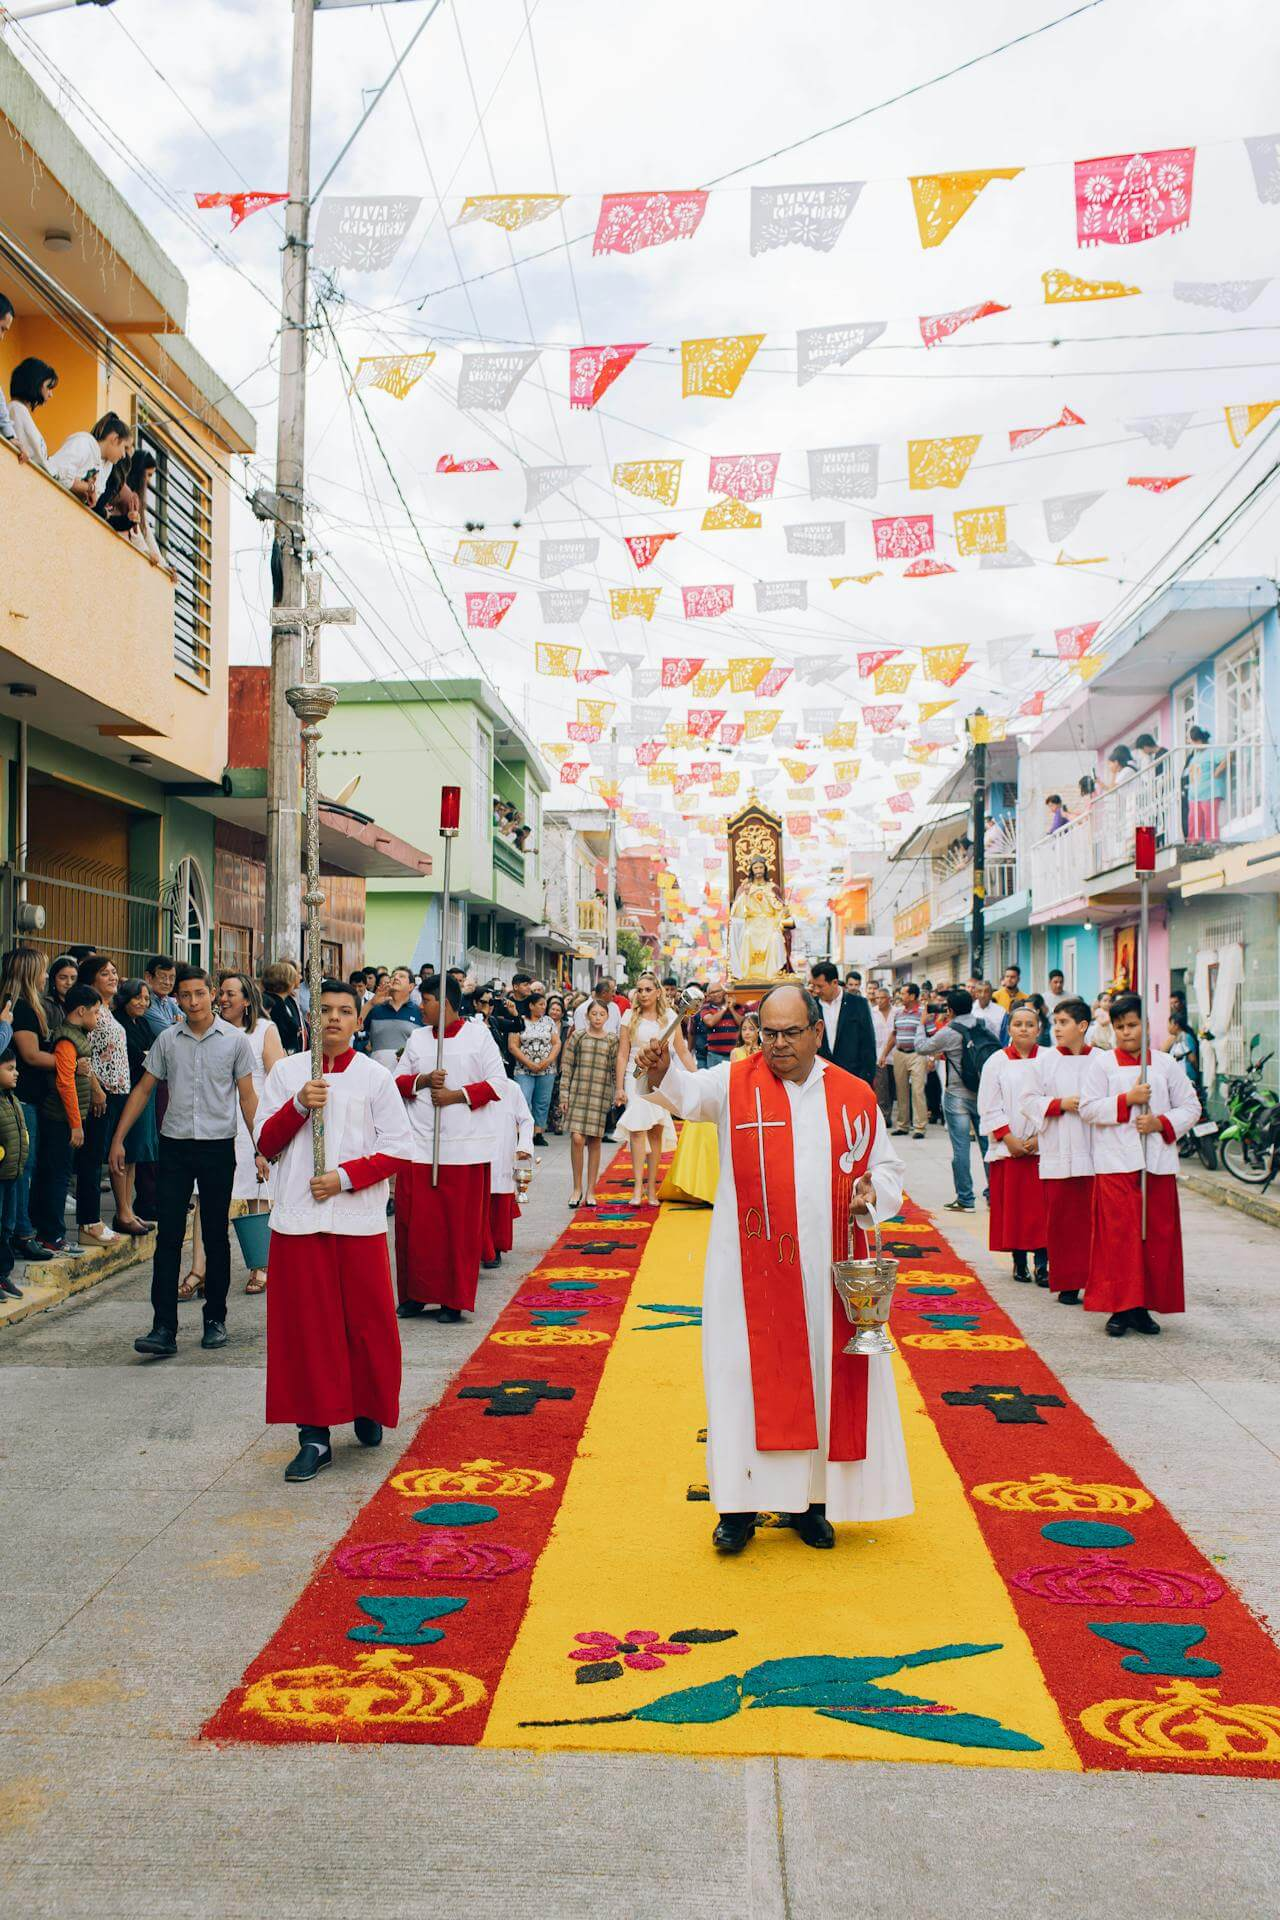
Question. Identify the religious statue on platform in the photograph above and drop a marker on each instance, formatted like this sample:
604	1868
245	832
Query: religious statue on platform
757	949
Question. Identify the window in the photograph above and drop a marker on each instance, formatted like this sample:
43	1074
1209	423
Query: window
481	778
190	914
181	519
331	960
1239	731
235	949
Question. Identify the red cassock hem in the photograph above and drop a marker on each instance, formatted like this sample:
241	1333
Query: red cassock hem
1126	1271
1070	1210
503	1214
441	1234
1019	1217
333	1344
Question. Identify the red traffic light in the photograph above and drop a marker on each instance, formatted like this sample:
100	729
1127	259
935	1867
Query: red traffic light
450	809
1144	849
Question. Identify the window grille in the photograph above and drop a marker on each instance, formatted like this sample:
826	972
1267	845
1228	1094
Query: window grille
181	519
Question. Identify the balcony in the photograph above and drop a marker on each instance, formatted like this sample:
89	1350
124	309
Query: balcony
1195	798
85	619
591	916
508	859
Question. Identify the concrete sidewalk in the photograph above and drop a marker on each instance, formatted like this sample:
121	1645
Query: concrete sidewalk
149	1549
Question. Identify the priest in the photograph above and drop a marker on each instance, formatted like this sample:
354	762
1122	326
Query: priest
333	1347
442	1228
793	1423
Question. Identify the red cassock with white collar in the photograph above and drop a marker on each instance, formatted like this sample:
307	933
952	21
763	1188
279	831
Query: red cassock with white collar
1125	1270
442	1231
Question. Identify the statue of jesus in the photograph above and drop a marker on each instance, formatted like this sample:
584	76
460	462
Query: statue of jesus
756	947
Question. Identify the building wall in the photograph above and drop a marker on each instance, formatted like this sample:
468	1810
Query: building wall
239	893
1190	930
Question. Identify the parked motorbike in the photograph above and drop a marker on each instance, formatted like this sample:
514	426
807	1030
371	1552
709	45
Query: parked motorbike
1247	1139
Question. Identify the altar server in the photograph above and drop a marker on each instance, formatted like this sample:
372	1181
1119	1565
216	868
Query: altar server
512	1142
1007	1094
1138	1111
442	1229
1066	1151
333	1347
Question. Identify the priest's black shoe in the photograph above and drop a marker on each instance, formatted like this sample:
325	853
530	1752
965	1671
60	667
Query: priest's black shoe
447	1316
1118	1325
308	1461
159	1344
1140	1321
733	1531
1069	1297
814	1527
215	1334
368	1432
411	1309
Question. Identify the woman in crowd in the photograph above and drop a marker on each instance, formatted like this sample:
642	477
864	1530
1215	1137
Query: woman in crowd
280	1000
30	384
535	1048
748	1037
131	1004
557	1015
647	1126
482	1001
1120	767
1100	1034
23	991
589	1078
62	977
240	1005
109	1089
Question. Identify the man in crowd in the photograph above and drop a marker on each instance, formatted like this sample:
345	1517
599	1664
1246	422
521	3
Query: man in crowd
848	1036
985	1004
902	1054
882	1027
1057	988
207	1066
602	992
963	1042
713	1031
853	982
441	1227
159	974
1010	991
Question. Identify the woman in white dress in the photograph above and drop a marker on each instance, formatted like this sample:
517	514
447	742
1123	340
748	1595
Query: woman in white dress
647	1125
240	1005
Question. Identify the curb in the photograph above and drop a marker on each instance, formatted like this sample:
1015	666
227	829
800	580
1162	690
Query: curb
46	1283
1232	1195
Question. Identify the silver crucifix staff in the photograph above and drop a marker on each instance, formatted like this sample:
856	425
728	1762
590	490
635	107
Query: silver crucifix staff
311	702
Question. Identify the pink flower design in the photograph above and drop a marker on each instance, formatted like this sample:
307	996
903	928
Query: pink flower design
639	1648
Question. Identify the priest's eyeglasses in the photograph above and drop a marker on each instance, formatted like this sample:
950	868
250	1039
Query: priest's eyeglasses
770	1036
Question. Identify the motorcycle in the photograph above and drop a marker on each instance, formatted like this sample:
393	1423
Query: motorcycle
1201	1140
1247	1140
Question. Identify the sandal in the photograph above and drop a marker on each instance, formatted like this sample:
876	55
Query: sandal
257	1281
192	1287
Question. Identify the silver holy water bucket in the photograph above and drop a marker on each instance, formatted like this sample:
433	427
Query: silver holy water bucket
866	1293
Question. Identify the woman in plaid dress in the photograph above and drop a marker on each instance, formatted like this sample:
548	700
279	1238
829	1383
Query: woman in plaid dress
588	1073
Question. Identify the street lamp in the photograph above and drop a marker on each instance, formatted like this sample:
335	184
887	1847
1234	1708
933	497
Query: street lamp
48	6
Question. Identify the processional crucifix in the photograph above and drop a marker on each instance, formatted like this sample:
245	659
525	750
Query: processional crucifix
311	702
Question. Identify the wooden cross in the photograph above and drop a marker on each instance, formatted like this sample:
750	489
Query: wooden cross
308	620
757	1126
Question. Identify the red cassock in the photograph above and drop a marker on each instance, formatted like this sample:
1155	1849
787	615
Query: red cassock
1125	1270
442	1230
333	1342
1019	1217
1070	1226
503	1214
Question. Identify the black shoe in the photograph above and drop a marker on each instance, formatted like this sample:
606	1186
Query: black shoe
447	1316
814	1527
32	1250
539	1139
215	1334
610	1139
489	1265
733	1530
1118	1326
308	1461
1140	1321
160	1344
959	1206
7	1287
918	1134
1069	1297
1020	1272
368	1432
1041	1276
411	1310
899	1132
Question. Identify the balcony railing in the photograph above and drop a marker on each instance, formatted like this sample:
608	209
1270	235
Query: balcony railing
591	916
507	858
1193	797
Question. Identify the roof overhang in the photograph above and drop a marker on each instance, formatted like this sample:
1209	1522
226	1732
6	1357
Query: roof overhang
350	842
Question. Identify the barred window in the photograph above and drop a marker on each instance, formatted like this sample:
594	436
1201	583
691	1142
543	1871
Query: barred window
182	523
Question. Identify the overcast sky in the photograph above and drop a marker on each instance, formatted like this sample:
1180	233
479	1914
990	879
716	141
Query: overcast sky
673	95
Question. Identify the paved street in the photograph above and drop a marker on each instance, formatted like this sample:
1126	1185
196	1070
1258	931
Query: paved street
150	1548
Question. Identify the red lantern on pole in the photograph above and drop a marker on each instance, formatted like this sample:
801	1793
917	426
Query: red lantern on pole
1144	849
450	809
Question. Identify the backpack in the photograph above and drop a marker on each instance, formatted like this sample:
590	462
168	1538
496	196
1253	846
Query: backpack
977	1044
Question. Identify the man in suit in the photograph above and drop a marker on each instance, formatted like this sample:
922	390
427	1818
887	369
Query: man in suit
848	1036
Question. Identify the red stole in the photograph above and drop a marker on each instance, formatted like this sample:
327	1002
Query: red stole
772	1284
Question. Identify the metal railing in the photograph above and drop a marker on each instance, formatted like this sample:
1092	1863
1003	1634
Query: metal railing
89	903
507	858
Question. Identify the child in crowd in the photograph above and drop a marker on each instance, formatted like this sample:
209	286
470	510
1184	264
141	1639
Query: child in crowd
15	1147
513	1143
1066	1151
1007	1095
1138	1110
589	1073
62	1115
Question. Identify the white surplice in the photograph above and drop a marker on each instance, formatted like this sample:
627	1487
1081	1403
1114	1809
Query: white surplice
742	1479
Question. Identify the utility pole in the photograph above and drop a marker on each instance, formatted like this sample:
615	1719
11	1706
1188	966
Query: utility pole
978	937
611	888
283	917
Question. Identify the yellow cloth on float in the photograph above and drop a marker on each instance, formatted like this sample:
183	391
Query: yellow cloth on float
694	1172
